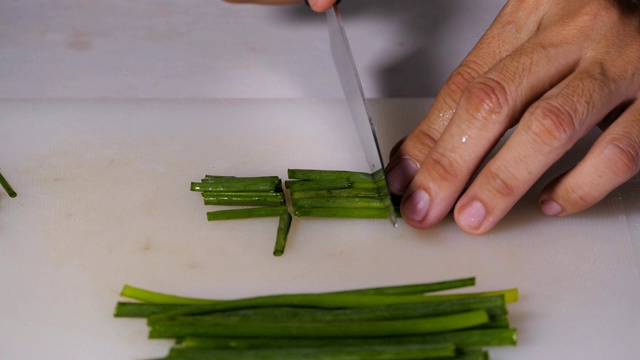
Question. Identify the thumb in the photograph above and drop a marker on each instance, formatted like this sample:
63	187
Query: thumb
321	5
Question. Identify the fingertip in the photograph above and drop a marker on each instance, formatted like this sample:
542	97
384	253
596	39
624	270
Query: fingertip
414	207
550	207
320	5
400	173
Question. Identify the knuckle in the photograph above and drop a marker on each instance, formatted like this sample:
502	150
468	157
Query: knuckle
443	166
500	181
577	197
551	125
622	155
423	139
486	99
461	77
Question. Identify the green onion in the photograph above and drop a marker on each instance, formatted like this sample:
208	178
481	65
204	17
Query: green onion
194	326
143	310
310	174
343	213
243	198
154	297
245	184
7	187
463	338
233	214
337	193
493	306
283	232
407	352
326	184
292	325
340	202
411	289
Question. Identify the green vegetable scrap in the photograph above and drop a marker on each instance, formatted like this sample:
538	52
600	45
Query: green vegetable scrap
7	187
393	322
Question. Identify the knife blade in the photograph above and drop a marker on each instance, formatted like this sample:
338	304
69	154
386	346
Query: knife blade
354	94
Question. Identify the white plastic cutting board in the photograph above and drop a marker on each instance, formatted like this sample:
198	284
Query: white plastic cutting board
103	200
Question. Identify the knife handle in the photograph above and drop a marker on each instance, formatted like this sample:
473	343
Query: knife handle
307	2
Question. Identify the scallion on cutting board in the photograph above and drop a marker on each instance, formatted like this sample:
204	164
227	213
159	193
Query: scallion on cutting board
7	187
391	322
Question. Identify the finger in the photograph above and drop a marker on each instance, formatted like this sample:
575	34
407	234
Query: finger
503	36
550	127
488	107
321	5
613	159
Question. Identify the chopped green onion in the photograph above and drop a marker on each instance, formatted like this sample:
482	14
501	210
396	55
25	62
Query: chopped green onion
7	187
326	184
283	232
343	213
249	184
340	202
311	174
233	214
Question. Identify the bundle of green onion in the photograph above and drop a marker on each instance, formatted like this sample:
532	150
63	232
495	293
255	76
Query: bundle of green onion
319	193
394	322
336	193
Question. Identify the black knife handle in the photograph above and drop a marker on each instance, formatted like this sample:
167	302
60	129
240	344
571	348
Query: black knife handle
307	2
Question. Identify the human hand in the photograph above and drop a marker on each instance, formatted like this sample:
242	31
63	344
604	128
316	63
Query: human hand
316	5
554	68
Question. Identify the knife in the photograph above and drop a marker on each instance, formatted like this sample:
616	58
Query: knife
350	81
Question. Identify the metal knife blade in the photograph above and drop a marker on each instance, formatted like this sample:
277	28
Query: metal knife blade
354	94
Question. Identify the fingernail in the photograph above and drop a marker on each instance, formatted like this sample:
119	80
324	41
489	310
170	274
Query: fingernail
550	207
473	215
416	206
401	174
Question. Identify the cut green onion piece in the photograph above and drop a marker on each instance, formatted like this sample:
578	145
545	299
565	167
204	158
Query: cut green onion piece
344	213
7	187
340	202
310	174
283	231
267	183
246	213
238	199
337	193
326	184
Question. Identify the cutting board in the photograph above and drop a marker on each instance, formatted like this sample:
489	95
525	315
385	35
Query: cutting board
103	201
